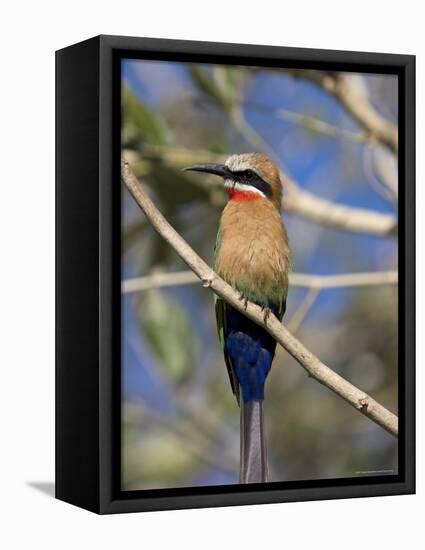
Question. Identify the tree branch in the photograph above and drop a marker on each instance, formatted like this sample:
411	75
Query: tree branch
301	280
308	122
355	101
320	126
338	216
314	367
302	202
295	200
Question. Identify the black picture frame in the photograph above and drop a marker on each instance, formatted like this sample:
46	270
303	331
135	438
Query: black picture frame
88	274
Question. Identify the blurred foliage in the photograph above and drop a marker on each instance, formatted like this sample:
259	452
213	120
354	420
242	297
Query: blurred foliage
180	419
140	124
160	315
223	88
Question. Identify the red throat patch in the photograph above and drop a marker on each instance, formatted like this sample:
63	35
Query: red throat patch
243	196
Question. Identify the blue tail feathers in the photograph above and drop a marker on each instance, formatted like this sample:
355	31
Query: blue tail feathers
251	350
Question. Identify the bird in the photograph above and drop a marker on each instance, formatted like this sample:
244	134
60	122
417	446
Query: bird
252	254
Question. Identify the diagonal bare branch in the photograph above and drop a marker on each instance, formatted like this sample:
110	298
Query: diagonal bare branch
314	367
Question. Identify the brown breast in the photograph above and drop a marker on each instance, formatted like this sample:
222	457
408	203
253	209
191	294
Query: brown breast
254	254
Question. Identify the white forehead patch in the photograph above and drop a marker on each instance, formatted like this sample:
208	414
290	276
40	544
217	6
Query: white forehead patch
238	163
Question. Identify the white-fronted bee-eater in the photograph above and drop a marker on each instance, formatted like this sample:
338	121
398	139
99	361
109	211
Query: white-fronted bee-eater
252	255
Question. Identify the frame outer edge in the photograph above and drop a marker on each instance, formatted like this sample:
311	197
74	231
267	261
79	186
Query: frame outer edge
409	266
108	503
77	358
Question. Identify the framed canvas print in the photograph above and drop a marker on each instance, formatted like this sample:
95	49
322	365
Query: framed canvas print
235	274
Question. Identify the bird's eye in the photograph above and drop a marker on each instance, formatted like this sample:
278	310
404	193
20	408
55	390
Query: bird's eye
249	174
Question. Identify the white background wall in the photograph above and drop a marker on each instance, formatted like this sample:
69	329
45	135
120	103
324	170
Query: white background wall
29	34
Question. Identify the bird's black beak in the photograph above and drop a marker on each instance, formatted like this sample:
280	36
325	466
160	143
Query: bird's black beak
211	168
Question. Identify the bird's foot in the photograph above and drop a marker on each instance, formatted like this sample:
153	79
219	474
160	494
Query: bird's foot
243	298
267	312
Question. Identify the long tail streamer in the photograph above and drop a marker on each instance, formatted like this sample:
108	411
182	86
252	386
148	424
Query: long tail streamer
253	458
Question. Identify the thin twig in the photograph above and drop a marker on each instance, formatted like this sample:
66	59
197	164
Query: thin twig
352	97
314	367
302	280
303	309
321	126
155	280
386	171
308	122
373	278
311	123
381	186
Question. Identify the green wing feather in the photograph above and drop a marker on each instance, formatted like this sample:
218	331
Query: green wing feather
220	313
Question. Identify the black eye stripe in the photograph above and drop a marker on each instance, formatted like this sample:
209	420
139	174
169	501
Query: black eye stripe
249	177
